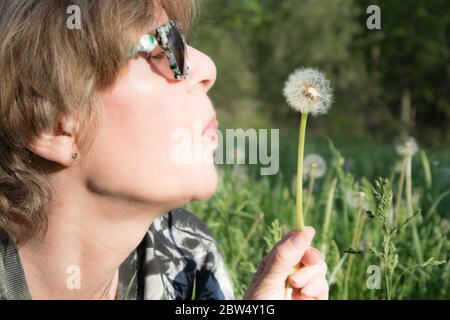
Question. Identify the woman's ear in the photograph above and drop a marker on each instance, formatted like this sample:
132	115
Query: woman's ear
60	145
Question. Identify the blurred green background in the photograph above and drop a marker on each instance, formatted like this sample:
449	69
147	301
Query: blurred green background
388	83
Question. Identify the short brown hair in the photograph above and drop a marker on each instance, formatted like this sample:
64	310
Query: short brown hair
48	70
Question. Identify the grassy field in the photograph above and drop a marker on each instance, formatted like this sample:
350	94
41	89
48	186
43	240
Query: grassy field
382	247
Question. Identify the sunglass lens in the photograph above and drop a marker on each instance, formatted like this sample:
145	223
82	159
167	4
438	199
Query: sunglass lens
178	46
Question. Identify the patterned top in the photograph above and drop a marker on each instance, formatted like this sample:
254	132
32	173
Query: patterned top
177	254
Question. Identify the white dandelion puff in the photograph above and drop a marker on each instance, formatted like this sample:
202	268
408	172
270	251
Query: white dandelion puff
314	165
407	148
308	91
357	199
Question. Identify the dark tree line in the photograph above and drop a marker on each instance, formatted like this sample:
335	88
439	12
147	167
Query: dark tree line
387	82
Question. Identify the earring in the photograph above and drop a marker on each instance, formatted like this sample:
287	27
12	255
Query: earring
29	159
75	156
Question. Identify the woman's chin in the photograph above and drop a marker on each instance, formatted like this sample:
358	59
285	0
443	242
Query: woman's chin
207	184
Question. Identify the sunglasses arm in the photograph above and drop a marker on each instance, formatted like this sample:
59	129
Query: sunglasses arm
147	43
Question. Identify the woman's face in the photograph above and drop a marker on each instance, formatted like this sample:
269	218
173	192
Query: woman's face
144	114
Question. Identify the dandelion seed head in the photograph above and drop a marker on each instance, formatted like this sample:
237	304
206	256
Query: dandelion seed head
314	165
407	148
356	199
308	91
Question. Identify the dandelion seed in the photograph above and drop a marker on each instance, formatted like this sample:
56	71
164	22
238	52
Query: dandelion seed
356	199
408	148
308	91
314	165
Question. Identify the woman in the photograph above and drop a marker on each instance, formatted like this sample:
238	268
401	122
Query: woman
89	189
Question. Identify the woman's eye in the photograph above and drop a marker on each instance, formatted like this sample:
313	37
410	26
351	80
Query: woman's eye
158	56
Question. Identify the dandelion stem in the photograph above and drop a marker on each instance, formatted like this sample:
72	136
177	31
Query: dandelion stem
411	209
401	182
299	194
326	223
426	168
355	241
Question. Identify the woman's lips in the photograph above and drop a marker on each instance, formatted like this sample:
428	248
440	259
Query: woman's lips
210	131
212	124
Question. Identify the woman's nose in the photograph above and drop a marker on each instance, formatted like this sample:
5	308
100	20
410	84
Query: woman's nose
202	70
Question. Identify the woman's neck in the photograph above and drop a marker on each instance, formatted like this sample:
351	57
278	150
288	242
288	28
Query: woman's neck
88	238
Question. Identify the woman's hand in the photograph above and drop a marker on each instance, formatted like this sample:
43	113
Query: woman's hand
308	282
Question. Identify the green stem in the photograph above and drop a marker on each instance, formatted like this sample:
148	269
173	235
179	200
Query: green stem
411	209
300	225
401	182
426	168
355	241
326	223
299	194
388	287
253	228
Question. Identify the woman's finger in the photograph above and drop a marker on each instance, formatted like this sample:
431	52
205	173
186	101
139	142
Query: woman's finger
297	295
305	274
323	295
311	257
287	254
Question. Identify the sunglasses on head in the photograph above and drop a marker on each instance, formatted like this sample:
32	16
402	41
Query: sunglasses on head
171	40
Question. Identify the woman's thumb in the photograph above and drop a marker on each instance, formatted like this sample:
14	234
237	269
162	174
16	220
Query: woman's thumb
291	250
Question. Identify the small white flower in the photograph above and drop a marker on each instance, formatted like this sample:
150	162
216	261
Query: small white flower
356	199
308	91
314	165
408	148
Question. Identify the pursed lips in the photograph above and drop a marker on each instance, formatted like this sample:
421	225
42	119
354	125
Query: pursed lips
210	129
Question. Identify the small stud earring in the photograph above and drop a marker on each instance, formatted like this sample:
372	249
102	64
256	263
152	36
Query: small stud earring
75	156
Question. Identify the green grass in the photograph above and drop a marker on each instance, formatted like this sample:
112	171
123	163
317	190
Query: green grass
249	212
